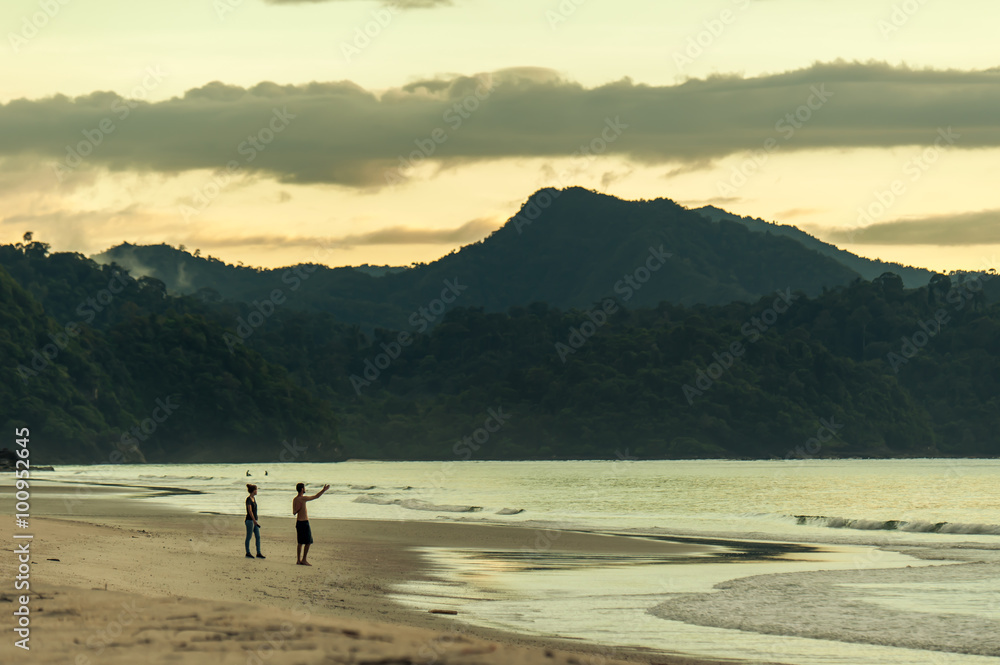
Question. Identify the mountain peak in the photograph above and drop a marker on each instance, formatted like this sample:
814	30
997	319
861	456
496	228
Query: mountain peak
568	247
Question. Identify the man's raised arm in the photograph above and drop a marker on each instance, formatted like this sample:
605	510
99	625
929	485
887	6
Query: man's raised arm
318	494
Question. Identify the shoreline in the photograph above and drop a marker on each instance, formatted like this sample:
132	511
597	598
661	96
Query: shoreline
104	543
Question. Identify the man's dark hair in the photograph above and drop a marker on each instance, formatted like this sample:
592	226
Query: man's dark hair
301	487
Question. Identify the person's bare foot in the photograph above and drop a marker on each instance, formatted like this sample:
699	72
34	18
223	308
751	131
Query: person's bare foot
305	563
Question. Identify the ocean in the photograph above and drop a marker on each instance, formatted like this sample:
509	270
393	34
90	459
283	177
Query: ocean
811	562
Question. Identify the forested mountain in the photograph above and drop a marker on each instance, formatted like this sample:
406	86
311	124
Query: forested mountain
102	367
666	381
913	278
567	248
870	369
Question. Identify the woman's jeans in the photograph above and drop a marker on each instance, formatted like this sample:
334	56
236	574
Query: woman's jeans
254	530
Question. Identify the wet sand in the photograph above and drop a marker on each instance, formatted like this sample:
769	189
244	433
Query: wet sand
118	579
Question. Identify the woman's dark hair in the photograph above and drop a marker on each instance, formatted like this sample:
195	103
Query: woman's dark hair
251	488
300	487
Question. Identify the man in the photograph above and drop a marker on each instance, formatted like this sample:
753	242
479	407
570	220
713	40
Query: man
302	529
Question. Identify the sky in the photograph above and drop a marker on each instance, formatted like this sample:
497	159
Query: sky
273	132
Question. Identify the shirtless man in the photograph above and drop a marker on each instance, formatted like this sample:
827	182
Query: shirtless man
302	529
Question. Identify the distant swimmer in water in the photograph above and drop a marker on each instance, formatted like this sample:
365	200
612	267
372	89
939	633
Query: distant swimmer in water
253	526
248	473
302	530
265	472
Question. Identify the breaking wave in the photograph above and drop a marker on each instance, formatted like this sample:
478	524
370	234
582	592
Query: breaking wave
415	504
897	525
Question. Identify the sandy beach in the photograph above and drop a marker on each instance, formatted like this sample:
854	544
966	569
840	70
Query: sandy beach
121	580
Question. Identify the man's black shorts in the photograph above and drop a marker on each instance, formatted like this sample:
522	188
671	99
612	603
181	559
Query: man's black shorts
304	532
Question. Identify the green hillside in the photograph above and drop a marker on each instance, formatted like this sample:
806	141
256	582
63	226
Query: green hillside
868	268
103	367
91	356
568	248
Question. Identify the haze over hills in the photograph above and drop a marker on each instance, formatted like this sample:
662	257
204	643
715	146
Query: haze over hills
107	368
913	278
567	248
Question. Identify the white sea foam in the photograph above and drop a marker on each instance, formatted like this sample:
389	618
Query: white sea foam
416	504
940	608
915	526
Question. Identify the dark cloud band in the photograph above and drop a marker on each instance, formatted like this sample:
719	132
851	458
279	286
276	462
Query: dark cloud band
339	133
973	228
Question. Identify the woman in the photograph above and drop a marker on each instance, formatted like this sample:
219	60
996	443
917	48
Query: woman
253	526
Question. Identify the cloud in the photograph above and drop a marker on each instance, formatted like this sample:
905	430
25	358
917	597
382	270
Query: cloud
690	167
402	4
972	228
33	176
339	133
714	201
611	177
798	212
86	230
472	231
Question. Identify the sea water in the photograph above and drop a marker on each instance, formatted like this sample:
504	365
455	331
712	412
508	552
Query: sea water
901	562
